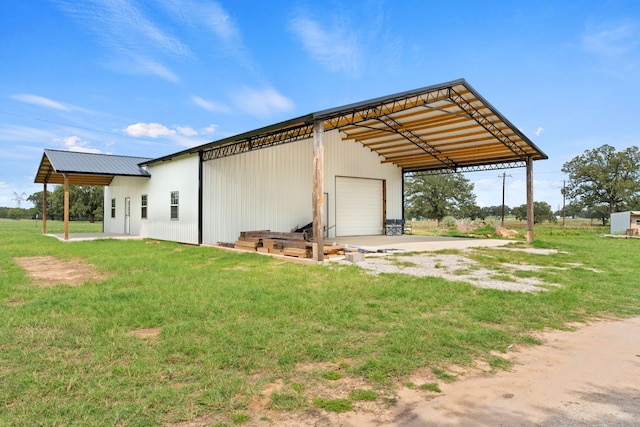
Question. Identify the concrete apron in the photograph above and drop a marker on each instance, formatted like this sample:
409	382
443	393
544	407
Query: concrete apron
412	243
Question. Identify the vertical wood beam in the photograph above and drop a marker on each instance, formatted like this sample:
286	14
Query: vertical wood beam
44	209
318	190
530	217
66	207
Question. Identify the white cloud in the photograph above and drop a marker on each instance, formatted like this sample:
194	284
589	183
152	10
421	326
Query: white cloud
152	130
74	143
40	101
336	47
611	41
263	102
209	105
539	131
186	131
211	129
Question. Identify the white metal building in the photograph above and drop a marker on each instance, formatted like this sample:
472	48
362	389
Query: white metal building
340	169
625	222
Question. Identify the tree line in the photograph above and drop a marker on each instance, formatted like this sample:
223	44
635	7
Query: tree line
85	203
601	181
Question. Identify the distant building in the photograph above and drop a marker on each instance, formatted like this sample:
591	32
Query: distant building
623	221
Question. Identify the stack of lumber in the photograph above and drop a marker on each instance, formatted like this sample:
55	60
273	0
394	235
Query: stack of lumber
281	243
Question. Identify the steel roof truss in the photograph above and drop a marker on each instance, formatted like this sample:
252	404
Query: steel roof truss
417	141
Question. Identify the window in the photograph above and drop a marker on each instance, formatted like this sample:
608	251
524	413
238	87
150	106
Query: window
637	221
174	204
143	204
113	208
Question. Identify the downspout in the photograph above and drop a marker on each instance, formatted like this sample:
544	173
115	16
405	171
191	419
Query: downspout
200	196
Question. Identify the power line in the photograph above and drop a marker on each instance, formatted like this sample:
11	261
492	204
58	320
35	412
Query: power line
86	128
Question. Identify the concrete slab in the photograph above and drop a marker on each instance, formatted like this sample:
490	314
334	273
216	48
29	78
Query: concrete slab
79	237
413	243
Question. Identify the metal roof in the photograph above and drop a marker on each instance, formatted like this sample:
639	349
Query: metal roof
87	168
444	127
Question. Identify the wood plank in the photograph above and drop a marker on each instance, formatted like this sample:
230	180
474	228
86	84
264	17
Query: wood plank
296	252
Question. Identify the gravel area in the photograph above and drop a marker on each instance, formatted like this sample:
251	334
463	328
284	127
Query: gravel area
458	267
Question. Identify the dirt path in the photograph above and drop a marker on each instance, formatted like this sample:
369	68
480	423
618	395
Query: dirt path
588	377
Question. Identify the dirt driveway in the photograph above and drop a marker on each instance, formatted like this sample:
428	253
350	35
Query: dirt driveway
587	377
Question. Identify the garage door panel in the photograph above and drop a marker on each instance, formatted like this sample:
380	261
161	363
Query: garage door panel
359	206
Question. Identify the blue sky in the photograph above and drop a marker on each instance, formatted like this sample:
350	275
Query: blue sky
149	78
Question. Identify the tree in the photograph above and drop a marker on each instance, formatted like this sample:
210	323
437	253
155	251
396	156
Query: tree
603	176
436	196
37	200
541	212
84	202
600	212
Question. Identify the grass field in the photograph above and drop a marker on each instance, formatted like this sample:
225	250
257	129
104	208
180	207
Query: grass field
241	336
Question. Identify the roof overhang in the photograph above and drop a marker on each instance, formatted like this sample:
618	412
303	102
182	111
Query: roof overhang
86	168
448	127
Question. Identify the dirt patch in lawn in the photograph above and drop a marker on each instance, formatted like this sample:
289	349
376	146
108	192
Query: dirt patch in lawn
49	271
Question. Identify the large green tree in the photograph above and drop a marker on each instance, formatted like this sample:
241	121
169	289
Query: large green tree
541	212
85	202
437	196
604	176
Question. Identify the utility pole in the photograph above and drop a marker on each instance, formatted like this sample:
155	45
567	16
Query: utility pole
564	215
504	175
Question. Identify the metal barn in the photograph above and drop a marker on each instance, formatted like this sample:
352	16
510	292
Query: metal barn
340	170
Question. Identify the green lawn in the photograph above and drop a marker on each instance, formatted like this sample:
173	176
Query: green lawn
234	324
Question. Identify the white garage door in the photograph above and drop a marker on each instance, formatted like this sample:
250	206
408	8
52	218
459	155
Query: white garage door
358	206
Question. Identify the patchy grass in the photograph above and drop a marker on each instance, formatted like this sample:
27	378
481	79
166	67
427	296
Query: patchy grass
172	334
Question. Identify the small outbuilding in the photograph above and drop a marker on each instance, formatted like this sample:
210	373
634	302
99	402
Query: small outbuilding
625	222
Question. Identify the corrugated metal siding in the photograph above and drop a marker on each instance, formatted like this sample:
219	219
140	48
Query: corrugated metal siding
264	189
272	188
180	174
120	188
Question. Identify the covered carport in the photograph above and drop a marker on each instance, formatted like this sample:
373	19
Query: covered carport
437	129
73	168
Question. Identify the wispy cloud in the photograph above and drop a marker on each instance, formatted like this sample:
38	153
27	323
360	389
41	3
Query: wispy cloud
126	31
262	102
41	101
209	105
611	41
186	131
210	130
336	47
539	131
75	143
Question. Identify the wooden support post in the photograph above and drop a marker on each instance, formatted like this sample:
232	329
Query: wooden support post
318	190
44	209
66	207
530	217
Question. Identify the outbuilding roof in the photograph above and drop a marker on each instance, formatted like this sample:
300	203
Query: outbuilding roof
445	127
87	168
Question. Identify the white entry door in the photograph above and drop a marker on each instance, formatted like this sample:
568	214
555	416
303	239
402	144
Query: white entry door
127	215
359	206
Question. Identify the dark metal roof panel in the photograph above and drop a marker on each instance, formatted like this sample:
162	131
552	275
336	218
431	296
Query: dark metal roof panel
99	164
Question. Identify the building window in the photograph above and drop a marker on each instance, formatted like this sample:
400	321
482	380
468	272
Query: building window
174	204
113	208
638	222
143	204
